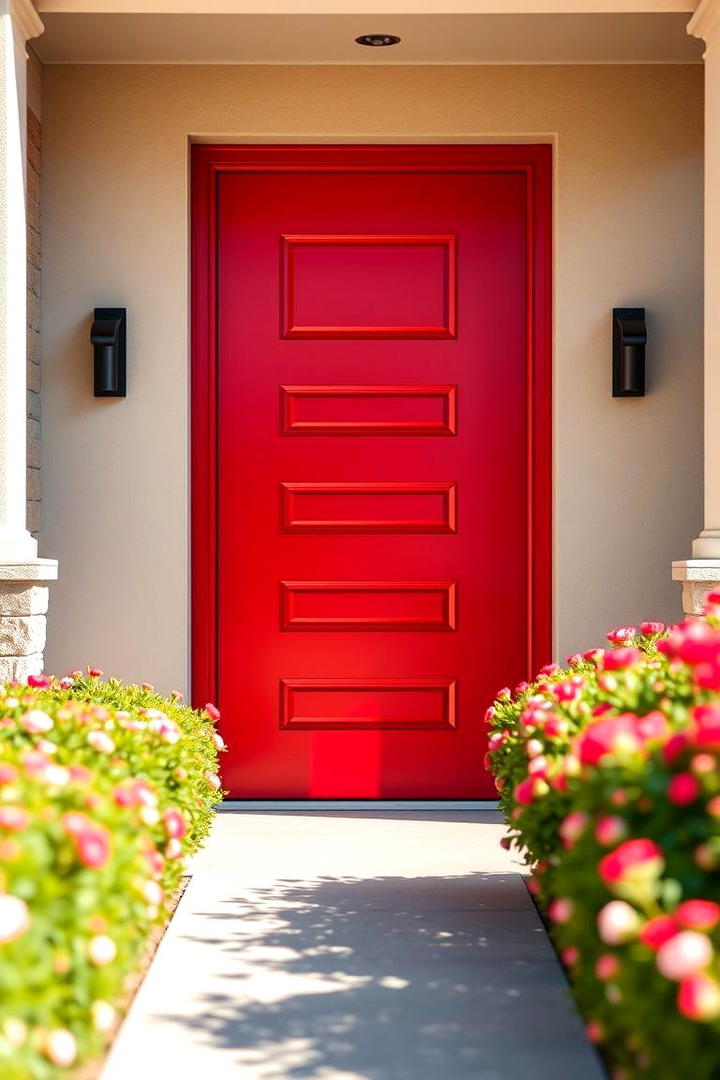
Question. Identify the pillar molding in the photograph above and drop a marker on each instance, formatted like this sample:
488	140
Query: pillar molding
23	576
701	573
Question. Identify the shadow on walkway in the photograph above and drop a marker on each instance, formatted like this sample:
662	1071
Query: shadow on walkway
390	978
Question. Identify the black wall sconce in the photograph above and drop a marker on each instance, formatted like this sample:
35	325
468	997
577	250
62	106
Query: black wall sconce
628	363
109	339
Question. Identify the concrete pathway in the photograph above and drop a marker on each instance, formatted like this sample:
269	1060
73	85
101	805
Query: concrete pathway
354	946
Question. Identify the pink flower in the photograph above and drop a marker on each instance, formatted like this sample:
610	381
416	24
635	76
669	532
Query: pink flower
101	741
66	682
39	682
622	634
572	828
549	669
175	824
94	847
36	722
594	1031
574	660
570	956
657	931
617	922
102	950
8	773
529	789
607	966
635	860
61	1048
155	860
213	780
74	823
697	914
699	998
568	690
616	659
683	789
520	689
610	830
649	629
95	673
652	726
214	713
561	910
79	774
617	734
713	806
707	721
218	740
13	818
683	955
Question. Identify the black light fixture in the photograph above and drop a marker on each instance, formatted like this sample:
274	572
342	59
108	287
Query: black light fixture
628	362
377	41
109	339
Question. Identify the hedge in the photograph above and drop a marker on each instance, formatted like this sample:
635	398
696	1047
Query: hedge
608	771
105	790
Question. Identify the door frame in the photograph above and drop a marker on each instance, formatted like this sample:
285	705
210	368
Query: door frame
208	163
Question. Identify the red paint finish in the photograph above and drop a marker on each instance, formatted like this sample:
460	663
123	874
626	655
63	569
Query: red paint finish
371	459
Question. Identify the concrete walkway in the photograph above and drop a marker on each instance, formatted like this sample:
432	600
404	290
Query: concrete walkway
354	946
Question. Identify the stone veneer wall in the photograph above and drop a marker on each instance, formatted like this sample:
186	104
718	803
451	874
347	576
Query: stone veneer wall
34	171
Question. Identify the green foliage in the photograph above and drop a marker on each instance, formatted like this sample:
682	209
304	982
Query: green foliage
105	790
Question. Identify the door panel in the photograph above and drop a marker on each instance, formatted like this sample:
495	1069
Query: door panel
376	488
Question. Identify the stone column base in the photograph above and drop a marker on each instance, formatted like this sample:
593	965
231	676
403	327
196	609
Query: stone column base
699	577
24	598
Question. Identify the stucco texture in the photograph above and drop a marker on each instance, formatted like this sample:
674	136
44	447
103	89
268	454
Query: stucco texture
628	472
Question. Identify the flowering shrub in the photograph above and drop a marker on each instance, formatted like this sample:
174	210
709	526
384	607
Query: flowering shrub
609	773
104	791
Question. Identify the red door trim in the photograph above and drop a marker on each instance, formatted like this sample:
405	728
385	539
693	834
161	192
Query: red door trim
208	162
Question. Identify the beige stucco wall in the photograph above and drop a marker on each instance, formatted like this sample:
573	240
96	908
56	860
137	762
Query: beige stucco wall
628	472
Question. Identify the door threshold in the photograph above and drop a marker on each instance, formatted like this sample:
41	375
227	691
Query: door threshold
357	804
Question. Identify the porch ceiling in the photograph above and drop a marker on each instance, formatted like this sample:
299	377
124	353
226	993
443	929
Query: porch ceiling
97	36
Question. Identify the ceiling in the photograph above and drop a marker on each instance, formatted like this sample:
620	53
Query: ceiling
77	37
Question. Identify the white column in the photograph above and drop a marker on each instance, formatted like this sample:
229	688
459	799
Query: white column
701	573
23	576
18	22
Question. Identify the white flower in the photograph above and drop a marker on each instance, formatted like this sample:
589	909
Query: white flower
14	917
103	1015
102	950
101	741
35	722
683	955
61	1047
617	922
149	815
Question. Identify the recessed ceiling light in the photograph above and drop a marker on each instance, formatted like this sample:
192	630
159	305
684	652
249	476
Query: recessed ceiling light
377	41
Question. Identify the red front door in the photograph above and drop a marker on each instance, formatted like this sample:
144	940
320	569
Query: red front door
382	459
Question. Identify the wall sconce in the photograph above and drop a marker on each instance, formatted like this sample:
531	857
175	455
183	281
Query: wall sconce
109	339
628	363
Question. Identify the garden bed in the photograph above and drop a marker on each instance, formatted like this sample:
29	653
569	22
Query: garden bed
105	791
608	771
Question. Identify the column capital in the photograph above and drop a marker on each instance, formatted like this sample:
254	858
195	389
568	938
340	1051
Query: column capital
705	23
24	16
